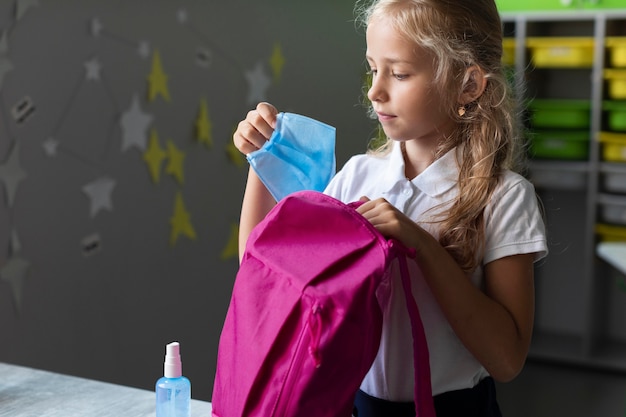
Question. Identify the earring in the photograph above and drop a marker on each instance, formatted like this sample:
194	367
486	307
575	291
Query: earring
461	111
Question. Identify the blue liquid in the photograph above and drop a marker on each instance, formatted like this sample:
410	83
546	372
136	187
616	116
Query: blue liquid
173	397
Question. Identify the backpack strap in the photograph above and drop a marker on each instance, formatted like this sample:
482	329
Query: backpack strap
424	405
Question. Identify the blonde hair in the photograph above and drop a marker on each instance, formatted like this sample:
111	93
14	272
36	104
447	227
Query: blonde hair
461	34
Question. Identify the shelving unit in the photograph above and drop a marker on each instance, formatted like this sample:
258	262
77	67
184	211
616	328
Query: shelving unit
581	300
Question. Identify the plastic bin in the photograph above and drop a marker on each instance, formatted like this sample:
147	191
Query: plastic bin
560	144
616	46
616	80
614	182
508	51
613	208
561	52
614	213
554	113
613	146
609	233
616	114
557	179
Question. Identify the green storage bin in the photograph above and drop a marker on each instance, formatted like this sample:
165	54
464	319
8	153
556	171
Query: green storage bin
571	114
557	5
616	114
560	144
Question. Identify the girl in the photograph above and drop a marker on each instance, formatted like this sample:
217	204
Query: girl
443	184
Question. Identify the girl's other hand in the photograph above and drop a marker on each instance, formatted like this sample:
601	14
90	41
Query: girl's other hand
390	221
256	129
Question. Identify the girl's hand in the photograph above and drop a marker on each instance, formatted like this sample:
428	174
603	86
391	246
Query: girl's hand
390	221
256	129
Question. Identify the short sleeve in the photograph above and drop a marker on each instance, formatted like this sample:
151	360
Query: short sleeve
514	221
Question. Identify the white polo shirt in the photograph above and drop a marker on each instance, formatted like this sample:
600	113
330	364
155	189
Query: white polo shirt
514	225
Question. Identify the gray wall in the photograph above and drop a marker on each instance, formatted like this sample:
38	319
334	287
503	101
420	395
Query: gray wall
108	313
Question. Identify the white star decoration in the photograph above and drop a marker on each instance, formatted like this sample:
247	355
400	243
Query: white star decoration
5	63
135	125
258	83
11	173
92	68
144	49
96	27
22	6
13	273
182	16
50	146
99	192
15	245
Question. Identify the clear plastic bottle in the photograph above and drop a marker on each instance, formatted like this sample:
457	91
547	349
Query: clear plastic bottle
173	390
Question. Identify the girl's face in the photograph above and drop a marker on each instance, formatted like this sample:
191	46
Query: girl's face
402	92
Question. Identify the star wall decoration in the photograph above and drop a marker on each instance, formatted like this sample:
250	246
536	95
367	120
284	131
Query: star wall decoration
154	157
4	42
22	6
235	156
13	273
174	166
15	245
181	221
135	124
50	146
99	193
182	16
95	27
5	62
143	49
157	80
203	125
12	174
258	83
92	69
231	249
277	62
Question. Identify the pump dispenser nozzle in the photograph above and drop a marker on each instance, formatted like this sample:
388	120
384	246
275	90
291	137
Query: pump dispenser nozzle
173	390
172	367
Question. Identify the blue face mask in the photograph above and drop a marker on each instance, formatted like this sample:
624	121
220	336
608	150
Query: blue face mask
300	155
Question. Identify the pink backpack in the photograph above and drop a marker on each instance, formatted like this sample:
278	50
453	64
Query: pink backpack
304	324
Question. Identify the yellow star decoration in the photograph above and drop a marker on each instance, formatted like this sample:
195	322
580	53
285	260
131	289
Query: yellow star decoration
277	61
175	164
181	221
157	80
154	156
235	156
232	247
203	125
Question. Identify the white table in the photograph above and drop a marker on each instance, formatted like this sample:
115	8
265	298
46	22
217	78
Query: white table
27	392
614	253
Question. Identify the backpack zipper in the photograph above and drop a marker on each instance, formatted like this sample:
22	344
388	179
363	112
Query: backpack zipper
311	335
315	333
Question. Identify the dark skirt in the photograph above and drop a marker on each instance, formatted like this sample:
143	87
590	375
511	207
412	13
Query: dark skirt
479	401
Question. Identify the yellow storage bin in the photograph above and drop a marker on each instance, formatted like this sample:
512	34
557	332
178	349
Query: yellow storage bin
508	51
617	50
616	79
561	52
614	146
608	233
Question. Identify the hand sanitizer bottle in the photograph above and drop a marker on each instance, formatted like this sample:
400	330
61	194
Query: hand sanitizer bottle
173	390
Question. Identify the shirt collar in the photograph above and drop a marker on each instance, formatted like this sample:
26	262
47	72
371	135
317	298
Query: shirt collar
435	180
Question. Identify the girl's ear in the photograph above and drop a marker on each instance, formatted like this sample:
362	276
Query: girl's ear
475	83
